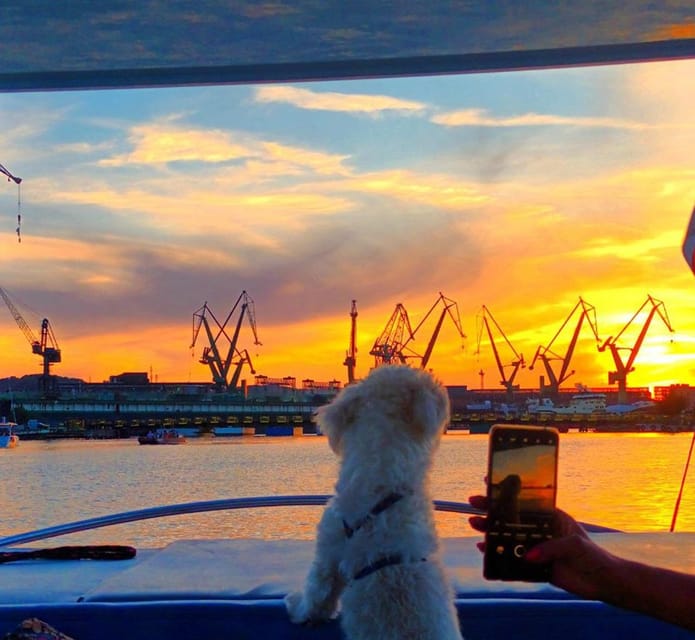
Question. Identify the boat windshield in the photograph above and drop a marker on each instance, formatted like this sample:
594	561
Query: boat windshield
273	242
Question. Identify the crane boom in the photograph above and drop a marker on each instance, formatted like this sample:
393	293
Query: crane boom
15	179
26	330
518	361
448	305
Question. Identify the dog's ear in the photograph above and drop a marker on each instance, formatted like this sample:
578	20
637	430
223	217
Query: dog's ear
335	417
429	406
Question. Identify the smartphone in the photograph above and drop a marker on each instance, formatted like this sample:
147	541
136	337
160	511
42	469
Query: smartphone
521	491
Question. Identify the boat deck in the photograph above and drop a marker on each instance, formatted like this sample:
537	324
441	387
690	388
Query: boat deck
234	589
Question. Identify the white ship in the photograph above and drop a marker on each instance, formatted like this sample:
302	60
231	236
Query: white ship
584	403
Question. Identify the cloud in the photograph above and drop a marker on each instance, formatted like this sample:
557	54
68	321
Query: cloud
480	118
157	143
430	189
317	161
339	102
640	248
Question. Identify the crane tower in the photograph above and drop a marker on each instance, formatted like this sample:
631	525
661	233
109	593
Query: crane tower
351	354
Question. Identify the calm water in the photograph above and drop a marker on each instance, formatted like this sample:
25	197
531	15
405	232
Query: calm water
627	481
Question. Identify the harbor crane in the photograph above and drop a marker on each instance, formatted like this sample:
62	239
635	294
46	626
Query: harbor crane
216	333
656	307
586	312
351	354
18	182
486	320
388	347
393	344
46	346
447	305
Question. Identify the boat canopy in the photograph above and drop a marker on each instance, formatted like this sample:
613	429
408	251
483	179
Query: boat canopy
109	44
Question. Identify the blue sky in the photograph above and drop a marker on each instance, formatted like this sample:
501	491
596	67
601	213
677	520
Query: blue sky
521	191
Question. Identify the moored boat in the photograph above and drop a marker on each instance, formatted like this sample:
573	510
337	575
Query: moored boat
8	438
163	436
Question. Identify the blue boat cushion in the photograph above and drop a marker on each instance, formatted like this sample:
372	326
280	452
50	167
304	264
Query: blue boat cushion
234	589
260	569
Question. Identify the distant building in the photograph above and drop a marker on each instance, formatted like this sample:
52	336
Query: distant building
130	378
684	390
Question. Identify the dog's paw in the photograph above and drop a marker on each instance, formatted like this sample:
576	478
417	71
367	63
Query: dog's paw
296	608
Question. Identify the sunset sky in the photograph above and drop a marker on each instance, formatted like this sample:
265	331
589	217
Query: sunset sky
519	191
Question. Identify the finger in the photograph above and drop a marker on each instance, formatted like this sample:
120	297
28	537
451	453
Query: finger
556	549
478	502
479	523
565	525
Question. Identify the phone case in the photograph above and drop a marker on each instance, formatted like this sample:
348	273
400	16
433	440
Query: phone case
521	490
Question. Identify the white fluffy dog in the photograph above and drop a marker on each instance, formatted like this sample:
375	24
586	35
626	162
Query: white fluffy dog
376	547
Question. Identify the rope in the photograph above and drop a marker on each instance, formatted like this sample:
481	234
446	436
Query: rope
19	212
680	492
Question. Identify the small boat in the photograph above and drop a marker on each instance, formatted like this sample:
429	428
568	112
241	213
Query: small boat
162	436
8	438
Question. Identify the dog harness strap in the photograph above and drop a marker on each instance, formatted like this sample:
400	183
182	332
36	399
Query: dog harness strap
386	561
380	506
379	564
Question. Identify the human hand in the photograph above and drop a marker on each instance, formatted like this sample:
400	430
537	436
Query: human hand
578	564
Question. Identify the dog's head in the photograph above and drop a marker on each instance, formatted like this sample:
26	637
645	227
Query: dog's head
392	398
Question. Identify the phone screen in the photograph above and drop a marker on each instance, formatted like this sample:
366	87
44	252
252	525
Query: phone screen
522	487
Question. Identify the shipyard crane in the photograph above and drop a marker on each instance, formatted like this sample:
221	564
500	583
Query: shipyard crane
586	312
656	307
351	353
447	305
487	319
220	365
46	346
18	182
244	358
388	347
393	345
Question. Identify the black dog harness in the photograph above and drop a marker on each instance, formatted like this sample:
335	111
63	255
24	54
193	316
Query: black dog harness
380	506
386	561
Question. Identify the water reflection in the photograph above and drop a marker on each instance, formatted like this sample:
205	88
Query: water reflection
627	481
